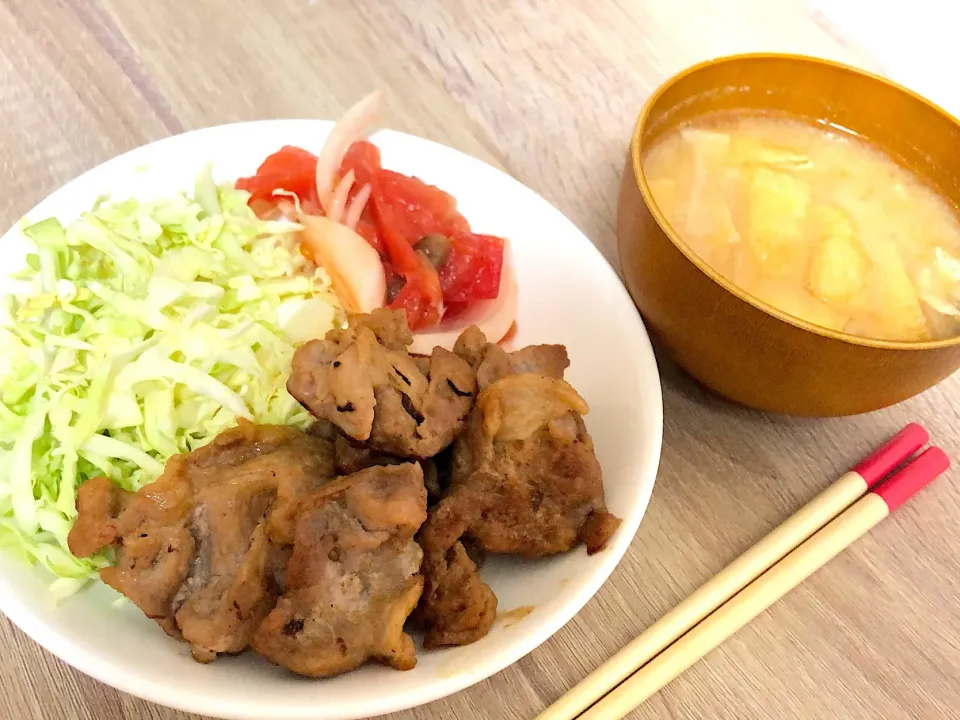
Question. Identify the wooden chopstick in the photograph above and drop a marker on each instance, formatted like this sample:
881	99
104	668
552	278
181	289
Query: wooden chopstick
742	571
759	595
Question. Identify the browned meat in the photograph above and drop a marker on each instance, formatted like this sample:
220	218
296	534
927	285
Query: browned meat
548	360
530	496
472	346
323	429
436	475
353	456
525	481
196	549
353	578
597	530
154	546
363	381
422	363
525	472
99	503
350	455
250	541
525	477
458	608
228	591
389	326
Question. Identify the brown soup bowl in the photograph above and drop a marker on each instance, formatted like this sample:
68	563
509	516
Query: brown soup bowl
734	344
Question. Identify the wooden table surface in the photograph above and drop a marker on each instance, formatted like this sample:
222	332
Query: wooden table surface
548	94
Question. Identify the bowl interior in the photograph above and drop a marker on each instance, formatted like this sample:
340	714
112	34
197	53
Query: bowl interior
914	131
612	365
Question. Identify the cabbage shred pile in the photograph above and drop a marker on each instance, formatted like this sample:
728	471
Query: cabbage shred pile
139	331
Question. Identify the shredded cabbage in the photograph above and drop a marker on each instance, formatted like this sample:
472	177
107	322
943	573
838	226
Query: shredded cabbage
138	331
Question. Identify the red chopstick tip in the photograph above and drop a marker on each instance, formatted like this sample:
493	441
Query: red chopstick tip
927	466
893	452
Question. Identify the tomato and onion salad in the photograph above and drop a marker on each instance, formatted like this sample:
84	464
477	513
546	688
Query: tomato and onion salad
435	266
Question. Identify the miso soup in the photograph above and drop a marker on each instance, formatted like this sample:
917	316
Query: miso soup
816	222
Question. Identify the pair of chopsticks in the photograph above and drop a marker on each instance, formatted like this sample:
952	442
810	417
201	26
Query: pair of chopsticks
809	539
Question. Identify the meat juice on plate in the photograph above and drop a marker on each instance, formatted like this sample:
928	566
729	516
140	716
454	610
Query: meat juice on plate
816	222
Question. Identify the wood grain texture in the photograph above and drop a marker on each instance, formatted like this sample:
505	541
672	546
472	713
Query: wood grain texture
547	91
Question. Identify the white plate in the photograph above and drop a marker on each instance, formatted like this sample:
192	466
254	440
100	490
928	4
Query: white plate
568	294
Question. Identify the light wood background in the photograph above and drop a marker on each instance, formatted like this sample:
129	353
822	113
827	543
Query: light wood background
547	91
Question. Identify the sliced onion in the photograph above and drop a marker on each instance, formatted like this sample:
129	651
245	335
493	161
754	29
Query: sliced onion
355	125
289	206
494	317
353	265
338	199
355	209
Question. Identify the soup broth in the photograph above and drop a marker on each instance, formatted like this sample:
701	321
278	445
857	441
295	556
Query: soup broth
818	223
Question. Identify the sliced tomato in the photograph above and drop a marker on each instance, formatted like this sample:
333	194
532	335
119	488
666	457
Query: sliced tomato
363	157
367	229
401	210
288	159
394	280
417	209
390	219
405	209
421	296
472	272
486	284
451	311
290	168
429	284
